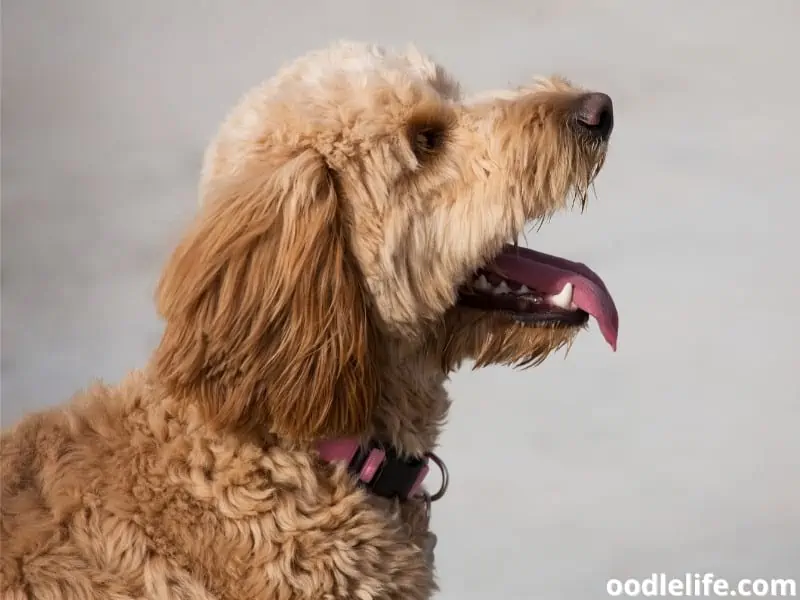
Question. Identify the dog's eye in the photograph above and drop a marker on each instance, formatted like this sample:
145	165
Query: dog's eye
427	140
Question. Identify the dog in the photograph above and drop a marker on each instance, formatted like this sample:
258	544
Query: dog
355	243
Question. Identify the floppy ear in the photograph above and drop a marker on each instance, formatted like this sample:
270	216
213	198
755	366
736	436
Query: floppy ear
266	317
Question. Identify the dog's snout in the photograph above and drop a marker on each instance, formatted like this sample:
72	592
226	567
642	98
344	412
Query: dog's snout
594	113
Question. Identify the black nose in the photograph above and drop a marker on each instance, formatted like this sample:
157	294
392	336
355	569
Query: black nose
594	114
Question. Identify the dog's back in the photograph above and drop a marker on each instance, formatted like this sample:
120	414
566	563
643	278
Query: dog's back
59	470
30	522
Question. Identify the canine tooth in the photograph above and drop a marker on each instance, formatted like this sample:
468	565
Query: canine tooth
482	284
564	298
523	290
502	288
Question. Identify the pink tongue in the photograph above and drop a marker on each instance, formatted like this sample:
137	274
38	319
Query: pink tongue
548	274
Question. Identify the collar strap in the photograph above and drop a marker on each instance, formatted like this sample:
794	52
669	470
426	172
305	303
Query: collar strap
378	466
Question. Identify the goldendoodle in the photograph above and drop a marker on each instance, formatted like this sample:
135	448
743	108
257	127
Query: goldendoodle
355	243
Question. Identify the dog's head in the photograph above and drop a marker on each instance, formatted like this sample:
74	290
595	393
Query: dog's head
355	203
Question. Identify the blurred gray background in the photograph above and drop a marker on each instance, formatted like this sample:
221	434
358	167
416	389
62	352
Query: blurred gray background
679	453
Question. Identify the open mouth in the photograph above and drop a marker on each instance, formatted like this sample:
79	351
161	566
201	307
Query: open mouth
541	290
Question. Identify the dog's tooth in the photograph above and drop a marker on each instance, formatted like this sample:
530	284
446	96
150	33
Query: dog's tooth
564	298
523	290
502	288
482	284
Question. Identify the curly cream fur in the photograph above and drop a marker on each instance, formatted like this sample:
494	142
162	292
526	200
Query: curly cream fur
313	296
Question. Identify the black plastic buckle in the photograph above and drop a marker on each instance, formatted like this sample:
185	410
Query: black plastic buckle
395	477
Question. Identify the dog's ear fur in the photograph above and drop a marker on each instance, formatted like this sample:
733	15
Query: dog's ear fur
266	317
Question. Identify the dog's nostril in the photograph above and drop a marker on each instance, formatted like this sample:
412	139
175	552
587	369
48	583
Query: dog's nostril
595	114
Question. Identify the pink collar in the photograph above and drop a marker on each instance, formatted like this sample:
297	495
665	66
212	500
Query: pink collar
381	469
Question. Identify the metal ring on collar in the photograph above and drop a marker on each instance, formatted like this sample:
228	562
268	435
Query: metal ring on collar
445	476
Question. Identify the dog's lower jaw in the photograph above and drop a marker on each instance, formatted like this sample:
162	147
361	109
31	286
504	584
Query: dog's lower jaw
496	338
